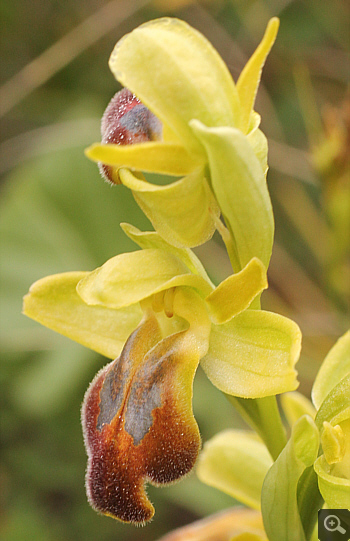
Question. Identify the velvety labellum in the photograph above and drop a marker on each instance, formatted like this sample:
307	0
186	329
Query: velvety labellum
138	424
127	121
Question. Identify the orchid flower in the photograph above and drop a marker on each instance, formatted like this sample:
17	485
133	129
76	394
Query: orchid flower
190	118
331	398
154	312
157	314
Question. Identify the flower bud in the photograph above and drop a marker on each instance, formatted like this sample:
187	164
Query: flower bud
127	121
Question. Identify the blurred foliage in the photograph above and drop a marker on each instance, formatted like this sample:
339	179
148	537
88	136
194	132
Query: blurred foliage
57	215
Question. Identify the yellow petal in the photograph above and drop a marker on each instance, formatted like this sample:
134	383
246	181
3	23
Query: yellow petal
334	368
236	293
182	212
236	462
335	408
295	405
54	302
334	490
178	75
253	355
128	278
333	443
249	536
248	82
222	526
258	142
151	239
153	156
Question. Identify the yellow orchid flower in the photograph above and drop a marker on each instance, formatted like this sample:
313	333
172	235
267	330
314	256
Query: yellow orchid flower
330	408
184	115
157	314
331	396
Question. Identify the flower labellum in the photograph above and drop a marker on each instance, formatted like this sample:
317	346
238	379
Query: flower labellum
138	421
127	121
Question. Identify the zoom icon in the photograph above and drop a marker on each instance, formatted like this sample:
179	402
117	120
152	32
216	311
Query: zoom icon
334	525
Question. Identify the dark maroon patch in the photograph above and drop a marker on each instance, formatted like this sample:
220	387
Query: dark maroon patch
138	424
127	121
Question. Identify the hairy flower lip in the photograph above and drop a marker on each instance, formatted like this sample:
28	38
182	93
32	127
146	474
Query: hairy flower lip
137	414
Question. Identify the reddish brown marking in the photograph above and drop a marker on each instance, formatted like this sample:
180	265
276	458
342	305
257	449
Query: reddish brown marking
117	467
127	121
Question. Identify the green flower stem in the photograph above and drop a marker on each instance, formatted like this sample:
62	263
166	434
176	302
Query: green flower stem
262	414
274	434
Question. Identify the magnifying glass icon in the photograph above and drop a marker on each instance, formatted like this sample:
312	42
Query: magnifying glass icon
332	524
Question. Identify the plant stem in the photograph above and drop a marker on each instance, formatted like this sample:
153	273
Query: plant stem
274	433
262	414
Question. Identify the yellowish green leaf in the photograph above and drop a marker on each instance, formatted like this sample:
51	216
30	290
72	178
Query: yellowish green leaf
235	462
253	355
239	185
236	293
128	278
279	502
182	212
178	75
334	368
54	302
248	82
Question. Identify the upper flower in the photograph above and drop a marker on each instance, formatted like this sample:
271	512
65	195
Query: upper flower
209	133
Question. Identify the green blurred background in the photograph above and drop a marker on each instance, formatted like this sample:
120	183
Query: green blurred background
58	215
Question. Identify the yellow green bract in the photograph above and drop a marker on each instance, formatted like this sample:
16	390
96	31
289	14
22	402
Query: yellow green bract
279	500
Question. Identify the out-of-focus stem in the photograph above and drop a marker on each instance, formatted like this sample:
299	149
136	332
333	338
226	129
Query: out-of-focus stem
262	414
